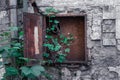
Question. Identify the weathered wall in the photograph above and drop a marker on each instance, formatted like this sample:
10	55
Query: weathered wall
103	37
7	18
4	24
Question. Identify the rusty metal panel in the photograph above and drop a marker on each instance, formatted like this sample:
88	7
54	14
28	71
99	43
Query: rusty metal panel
33	38
75	26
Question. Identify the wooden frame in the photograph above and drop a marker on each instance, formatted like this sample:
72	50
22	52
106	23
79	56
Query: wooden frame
85	25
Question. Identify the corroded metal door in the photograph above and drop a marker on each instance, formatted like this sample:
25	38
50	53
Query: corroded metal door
33	35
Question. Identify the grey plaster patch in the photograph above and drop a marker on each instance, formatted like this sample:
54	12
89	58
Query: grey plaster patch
96	33
109	42
108	25
108	35
109	12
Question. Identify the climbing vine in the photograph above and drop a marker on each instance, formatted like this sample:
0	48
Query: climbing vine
56	47
56	44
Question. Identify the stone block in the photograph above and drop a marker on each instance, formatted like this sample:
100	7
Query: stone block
107	51
118	41
66	74
3	14
112	58
13	2
13	17
117	28
94	2
108	25
108	35
118	47
109	2
115	69
5	20
96	33
117	12
109	12
4	27
109	42
86	77
44	2
96	25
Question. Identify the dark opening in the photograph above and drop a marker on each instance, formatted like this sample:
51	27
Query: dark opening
76	26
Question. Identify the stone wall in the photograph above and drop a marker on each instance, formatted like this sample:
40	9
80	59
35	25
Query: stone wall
7	18
4	24
103	37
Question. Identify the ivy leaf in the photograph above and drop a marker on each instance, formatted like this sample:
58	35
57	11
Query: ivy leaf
1	63
48	36
55	41
53	27
7	49
15	47
13	28
11	71
31	76
6	33
49	46
15	54
48	76
21	33
57	47
46	55
50	10
1	50
25	70
50	20
56	21
17	44
64	40
67	50
36	70
60	60
62	36
25	59
61	57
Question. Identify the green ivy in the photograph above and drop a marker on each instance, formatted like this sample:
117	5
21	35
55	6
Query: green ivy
57	50
56	43
34	70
